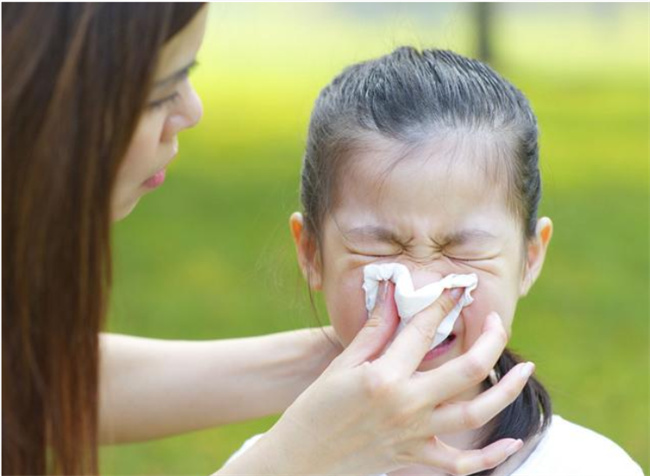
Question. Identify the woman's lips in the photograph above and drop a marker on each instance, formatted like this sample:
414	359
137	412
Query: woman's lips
155	180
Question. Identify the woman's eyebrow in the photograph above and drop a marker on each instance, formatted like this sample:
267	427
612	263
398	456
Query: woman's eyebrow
177	76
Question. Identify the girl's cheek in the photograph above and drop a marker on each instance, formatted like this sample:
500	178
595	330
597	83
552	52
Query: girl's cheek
346	307
489	299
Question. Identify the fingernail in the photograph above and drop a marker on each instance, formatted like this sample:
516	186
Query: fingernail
456	293
527	369
514	446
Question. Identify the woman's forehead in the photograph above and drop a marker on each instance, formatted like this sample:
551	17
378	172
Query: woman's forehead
180	51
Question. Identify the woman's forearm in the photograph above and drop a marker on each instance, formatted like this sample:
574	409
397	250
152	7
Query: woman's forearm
151	388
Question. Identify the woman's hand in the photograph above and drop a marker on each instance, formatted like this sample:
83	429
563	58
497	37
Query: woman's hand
373	412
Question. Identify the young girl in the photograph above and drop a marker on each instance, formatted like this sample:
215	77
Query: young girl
430	160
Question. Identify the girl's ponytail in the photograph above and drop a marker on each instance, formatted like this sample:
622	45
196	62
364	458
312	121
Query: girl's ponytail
527	416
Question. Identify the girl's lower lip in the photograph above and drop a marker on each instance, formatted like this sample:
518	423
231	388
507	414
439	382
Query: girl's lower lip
156	180
441	348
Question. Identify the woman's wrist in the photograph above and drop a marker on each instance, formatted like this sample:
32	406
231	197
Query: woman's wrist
321	347
265	374
301	357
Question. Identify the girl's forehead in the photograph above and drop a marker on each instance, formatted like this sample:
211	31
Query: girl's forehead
452	171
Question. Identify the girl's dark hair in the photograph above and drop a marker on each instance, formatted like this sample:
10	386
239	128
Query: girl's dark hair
75	80
409	96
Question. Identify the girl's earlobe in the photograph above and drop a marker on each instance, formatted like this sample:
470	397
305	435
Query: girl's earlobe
544	230
536	254
305	251
296	224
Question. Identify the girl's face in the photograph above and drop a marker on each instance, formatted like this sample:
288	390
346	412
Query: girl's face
437	212
173	106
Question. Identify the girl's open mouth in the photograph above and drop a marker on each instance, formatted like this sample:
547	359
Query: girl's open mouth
441	348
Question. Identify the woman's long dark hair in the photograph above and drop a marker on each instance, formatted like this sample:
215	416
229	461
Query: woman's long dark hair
75	79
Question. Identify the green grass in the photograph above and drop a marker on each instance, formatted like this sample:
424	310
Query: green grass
185	254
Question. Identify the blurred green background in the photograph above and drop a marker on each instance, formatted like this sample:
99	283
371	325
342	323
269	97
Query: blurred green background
186	255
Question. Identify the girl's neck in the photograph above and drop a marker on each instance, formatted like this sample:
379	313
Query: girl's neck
464	440
471	440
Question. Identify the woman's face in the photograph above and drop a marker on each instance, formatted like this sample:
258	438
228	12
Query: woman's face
173	106
437	212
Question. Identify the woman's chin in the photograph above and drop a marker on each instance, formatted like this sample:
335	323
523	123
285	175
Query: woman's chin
121	211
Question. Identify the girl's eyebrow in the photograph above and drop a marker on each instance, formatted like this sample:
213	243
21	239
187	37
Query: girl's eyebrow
177	76
470	234
375	232
380	233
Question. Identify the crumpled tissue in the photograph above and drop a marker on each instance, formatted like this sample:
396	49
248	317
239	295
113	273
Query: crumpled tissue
409	301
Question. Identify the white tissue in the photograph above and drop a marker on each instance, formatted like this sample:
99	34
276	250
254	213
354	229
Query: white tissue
409	301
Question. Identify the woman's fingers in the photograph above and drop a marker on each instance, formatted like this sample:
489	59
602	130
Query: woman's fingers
458	416
462	462
377	331
468	369
405	354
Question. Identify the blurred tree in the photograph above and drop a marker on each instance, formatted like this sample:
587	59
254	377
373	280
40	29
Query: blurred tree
483	12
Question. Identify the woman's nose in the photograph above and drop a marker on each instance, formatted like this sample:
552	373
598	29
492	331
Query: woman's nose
194	111
186	116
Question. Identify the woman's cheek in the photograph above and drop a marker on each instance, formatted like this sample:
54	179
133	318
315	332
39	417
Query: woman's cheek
141	159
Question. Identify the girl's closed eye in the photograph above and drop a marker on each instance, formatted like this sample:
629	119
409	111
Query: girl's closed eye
475	260
375	253
372	242
469	257
470	246
391	250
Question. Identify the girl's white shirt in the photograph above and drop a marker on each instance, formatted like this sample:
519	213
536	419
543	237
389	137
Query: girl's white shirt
566	449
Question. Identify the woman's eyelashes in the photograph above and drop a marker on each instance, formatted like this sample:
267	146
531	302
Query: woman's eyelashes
171	99
166	101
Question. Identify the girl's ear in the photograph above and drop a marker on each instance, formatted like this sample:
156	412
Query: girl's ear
536	253
306	250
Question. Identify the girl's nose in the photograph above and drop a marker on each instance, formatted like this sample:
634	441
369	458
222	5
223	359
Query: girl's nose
423	275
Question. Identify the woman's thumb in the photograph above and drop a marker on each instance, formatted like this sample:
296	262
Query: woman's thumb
378	329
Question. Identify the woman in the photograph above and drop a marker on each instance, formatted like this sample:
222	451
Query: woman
94	96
